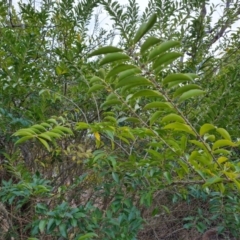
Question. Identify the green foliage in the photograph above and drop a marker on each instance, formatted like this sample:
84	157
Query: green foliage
20	193
91	133
44	132
84	221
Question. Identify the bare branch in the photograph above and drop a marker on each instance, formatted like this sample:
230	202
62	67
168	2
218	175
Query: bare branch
227	24
203	10
228	4
13	25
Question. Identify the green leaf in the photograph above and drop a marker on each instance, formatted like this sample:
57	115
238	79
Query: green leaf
110	119
112	57
174	144
236	182
163	47
183	142
156	154
120	68
150	41
39	127
212	181
54	134
36	130
125	131
158	105
133	81
42	225
52	120
51	224
205	159
145	27
115	177
59	70
44	143
25	132
166	58
127	73
23	139
180	127
135	84
223	143
129	119
172	117
46	125
44	91
200	144
175	84
148	132
64	129
184	166
194	155
222	151
102	73
95	88
111	96
74	222
206	128
63	230
209	137
191	93
132	119
95	79
176	77
184	89
45	136
155	116
87	236
168	177
57	131
191	75
222	159
111	102
123	139
224	133
105	50
82	125
147	93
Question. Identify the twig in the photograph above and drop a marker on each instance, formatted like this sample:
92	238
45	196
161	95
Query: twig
13	25
222	30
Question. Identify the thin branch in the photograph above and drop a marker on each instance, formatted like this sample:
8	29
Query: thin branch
13	25
203	10
224	27
170	234
228	4
84	115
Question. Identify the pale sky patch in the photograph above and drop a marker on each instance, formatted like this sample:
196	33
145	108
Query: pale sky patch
106	22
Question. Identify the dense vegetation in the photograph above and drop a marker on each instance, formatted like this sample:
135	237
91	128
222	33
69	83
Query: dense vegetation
127	133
